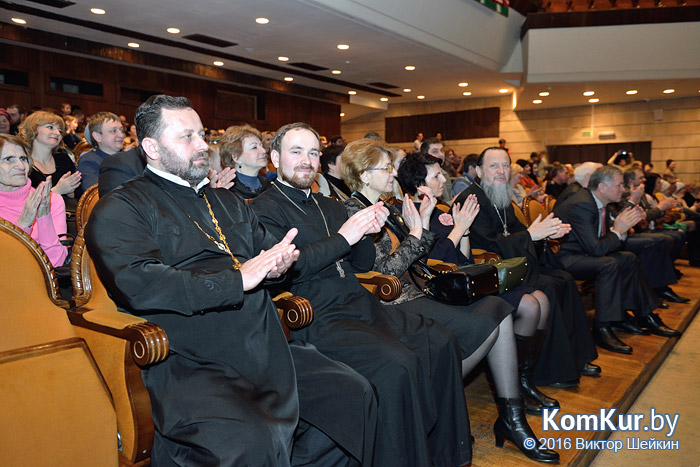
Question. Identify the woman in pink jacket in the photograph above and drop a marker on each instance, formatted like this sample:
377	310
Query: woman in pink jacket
39	212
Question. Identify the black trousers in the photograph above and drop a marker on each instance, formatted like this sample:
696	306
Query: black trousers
654	253
619	284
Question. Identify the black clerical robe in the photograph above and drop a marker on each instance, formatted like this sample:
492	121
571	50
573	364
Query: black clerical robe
568	343
412	362
226	394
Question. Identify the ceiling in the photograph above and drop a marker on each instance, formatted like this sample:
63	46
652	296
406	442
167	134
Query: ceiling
451	42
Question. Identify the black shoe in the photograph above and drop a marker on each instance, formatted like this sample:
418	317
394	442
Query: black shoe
512	426
528	350
589	369
629	325
605	337
671	296
654	325
663	306
565	384
678	273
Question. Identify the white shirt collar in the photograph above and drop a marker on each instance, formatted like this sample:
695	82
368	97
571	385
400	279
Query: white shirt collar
598	203
175	179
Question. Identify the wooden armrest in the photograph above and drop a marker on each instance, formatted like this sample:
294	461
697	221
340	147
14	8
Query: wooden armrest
442	266
295	312
384	286
148	341
483	256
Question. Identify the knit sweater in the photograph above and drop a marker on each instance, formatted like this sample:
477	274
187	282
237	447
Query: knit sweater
45	230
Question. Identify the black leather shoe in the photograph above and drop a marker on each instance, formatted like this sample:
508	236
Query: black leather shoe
629	325
565	384
605	337
671	296
654	325
663	306
589	369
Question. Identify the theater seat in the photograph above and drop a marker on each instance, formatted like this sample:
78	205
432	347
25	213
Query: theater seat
56	407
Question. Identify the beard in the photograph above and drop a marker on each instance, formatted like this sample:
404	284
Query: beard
500	195
190	171
297	180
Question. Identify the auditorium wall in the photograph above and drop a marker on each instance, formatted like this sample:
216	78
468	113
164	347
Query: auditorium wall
672	126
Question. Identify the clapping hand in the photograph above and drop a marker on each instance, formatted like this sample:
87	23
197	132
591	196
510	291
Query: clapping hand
412	217
67	183
465	214
270	264
37	204
369	220
223	179
550	226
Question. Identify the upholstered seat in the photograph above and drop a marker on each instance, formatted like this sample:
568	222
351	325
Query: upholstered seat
56	407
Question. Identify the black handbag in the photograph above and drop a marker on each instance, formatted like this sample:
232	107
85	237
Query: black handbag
464	286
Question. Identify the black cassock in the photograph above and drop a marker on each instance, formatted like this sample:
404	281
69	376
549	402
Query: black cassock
412	361
568	344
227	393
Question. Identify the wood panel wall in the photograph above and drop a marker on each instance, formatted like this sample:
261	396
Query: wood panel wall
463	124
41	65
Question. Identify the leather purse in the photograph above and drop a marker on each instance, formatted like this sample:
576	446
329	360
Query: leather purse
511	273
464	286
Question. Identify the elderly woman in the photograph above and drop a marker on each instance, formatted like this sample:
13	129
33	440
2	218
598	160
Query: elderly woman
240	148
367	167
42	132
4	121
38	212
519	191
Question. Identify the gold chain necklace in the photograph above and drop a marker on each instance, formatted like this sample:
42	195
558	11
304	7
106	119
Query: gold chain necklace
223	244
340	269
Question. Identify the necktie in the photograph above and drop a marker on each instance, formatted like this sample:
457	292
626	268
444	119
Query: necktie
603	223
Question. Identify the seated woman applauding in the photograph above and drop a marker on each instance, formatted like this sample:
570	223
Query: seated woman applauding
38	212
241	149
484	328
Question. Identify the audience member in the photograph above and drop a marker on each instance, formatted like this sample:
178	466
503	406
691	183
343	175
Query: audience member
241	149
4	122
65	109
568	343
38	212
417	143
71	138
330	179
106	132
670	173
17	115
558	183
468	172
232	390
434	147
592	251
337	140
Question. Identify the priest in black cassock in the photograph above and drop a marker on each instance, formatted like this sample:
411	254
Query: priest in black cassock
412	361
188	257
568	348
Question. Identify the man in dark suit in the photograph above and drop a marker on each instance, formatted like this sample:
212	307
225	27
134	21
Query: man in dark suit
592	251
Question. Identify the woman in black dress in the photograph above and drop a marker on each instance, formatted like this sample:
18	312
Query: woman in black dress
42	132
482	329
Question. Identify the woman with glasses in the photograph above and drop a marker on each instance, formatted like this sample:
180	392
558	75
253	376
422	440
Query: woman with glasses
483	329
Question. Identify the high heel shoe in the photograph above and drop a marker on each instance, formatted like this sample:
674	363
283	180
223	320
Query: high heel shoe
512	426
528	350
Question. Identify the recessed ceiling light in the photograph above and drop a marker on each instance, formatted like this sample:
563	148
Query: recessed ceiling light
669	91
466	93
589	93
283	59
384	99
631	92
343	46
409	90
463	85
342	114
420	97
537	101
336	72
594	100
503	91
262	20
173	30
288	78
98	11
409	67
19	21
352	93
219	63
544	94
134	45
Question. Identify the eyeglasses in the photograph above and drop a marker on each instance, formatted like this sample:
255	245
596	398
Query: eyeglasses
388	168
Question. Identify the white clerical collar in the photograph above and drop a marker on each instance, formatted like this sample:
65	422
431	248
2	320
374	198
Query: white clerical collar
307	191
175	179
